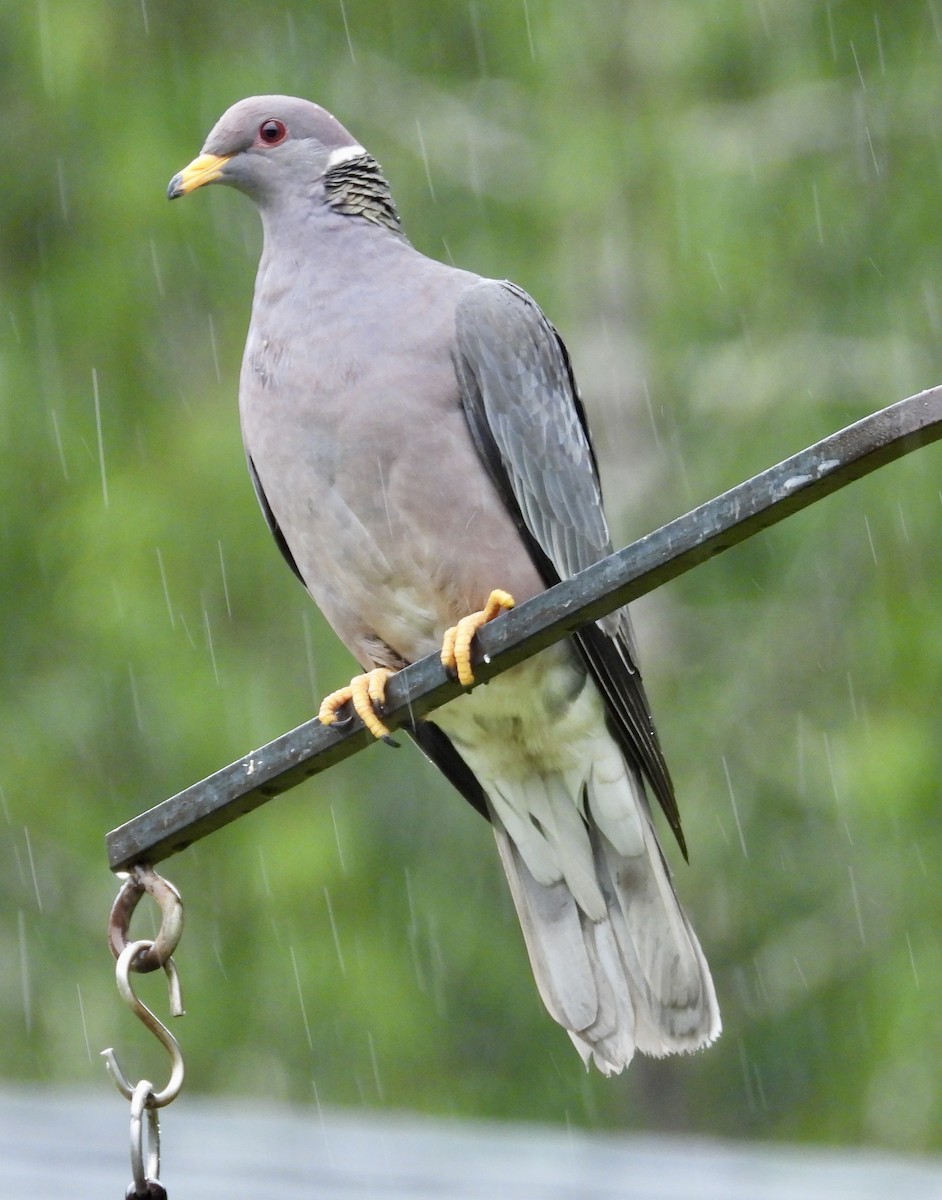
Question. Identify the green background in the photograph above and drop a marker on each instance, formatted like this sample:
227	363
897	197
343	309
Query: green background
731	210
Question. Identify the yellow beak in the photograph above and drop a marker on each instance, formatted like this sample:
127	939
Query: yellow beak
204	169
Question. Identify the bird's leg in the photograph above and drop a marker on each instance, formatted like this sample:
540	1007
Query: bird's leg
456	644
365	693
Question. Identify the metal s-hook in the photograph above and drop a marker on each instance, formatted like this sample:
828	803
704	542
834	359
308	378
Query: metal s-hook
146	955
127	1089
143	878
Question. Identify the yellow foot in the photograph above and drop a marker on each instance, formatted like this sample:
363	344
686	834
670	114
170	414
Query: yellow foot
456	645
365	692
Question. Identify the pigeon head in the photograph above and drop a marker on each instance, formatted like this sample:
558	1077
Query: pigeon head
269	146
281	150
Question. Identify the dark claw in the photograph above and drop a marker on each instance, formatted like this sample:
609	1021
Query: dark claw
390	741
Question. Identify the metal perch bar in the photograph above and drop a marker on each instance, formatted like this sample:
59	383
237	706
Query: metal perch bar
660	556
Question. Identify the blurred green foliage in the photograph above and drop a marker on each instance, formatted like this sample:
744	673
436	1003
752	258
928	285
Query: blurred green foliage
731	210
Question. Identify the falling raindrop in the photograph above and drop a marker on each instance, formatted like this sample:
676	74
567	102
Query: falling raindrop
817	212
333	930
309	653
853	697
379	1084
856	899
88	1047
912	959
745	1067
333	817
384	492
800	753
63	194
526	18
346	29
902	521
873	549
292	32
853	50
101	444
217	954
649	406
831	38
732	800
135	697
715	272
721	826
266	882
873	153
328	1145
212	343
225	582
186	629
936	26
833	776
155	262
57	434
32	868
24	972
412	932
207	627
478	37
425	163
297	980
879	36
163	580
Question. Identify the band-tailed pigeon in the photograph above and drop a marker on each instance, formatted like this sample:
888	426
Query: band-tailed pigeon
417	444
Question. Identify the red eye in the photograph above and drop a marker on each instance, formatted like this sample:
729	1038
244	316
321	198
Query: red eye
271	133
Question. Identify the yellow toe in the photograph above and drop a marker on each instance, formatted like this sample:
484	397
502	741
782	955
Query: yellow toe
365	693
456	644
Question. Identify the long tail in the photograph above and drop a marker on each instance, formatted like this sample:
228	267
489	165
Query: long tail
620	967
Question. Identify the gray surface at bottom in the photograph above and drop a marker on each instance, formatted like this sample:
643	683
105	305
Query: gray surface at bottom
56	1143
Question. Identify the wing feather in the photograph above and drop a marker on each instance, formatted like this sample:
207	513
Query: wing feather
529	426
